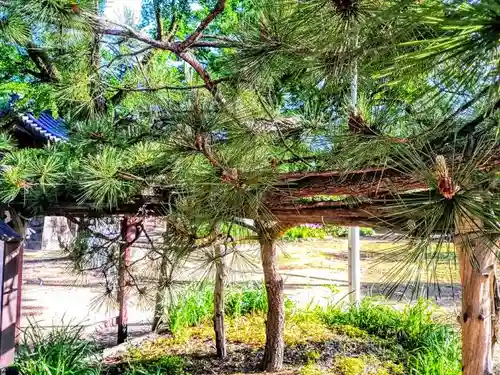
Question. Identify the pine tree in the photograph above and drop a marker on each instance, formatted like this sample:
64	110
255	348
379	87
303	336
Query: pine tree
243	111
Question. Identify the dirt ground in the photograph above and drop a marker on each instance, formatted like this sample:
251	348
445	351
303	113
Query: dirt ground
314	272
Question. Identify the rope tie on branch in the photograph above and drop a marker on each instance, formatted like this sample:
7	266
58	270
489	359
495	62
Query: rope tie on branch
447	188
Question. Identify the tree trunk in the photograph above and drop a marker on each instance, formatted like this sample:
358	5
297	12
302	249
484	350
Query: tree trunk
477	273
220	336
129	234
160	292
275	325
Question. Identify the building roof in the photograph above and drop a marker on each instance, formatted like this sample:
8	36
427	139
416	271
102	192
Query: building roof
46	126
7	233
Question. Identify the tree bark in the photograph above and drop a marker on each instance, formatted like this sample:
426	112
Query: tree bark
160	292
130	231
275	324
477	273
219	327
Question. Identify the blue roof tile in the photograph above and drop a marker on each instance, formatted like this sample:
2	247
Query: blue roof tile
7	233
46	126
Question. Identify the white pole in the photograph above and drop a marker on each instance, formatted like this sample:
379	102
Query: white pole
354	262
353	235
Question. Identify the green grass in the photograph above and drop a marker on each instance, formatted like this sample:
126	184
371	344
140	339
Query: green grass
372	339
196	304
60	351
320	232
167	365
433	348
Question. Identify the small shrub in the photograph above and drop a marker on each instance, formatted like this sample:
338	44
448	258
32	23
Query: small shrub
305	325
365	365
349	331
311	368
313	356
348	366
60	351
196	304
305	231
393	368
336	231
166	365
434	347
320	232
366	231
246	299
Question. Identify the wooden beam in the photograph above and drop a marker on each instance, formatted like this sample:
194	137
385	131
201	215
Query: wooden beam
9	254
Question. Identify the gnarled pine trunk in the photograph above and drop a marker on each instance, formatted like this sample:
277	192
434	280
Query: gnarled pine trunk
477	273
220	337
275	324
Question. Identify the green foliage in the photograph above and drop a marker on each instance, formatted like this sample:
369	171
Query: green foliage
349	331
365	365
60	351
195	304
245	299
166	365
377	340
303	232
102	179
432	346
349	366
311	368
320	232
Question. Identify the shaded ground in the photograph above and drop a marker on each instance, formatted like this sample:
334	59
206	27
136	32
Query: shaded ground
309	343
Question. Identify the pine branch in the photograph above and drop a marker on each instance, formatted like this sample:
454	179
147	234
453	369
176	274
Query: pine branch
159	32
219	8
210	85
131	54
48	72
208	44
244	224
168	87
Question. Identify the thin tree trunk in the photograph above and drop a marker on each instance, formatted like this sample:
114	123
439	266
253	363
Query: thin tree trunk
95	84
275	324
160	292
219	327
129	232
477	273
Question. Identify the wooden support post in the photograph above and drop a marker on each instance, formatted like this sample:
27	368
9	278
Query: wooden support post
354	262
10	296
127	235
20	263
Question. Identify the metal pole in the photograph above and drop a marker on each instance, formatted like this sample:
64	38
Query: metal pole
354	261
353	234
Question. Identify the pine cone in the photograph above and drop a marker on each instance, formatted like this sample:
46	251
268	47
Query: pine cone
75	8
199	142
